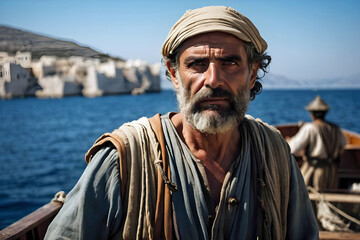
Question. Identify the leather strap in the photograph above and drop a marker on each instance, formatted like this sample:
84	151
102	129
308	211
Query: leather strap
163	215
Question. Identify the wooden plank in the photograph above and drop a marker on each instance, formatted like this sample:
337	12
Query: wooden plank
353	138
336	197
29	224
338	235
288	130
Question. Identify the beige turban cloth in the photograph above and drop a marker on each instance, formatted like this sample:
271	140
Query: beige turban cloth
211	19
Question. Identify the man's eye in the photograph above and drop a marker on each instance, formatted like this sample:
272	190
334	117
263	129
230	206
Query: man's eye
229	62
197	63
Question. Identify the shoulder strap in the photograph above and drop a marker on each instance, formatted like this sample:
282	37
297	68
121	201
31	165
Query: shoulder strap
327	133
118	143
163	220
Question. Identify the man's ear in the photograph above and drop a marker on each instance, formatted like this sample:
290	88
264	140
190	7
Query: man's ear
253	74
172	72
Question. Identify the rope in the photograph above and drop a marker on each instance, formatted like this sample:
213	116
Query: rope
337	210
158	163
59	197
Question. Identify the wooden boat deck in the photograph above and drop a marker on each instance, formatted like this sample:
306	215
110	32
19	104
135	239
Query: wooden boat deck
323	235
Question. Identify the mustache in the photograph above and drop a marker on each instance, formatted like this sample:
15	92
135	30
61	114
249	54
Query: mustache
212	93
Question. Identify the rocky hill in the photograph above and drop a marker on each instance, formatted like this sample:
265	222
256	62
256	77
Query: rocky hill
12	40
273	81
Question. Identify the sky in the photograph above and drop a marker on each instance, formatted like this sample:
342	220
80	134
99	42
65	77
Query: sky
308	39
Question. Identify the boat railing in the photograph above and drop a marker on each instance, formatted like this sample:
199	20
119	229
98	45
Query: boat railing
34	225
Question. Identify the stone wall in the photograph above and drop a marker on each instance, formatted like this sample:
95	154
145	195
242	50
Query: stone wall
15	81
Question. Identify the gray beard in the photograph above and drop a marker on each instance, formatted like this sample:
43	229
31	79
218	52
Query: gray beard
221	120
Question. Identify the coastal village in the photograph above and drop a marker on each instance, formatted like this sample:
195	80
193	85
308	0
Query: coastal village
55	77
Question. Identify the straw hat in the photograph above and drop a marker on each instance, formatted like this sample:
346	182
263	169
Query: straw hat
318	104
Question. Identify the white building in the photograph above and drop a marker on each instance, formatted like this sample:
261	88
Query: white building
59	77
14	80
23	59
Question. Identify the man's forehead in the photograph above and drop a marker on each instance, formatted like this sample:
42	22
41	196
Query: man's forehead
221	43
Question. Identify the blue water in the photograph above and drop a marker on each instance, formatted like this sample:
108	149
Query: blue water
43	141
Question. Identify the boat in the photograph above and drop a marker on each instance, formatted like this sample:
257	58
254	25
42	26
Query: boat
34	225
349	166
344	202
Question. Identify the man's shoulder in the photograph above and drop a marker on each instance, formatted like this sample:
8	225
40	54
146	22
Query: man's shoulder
333	125
269	139
262	125
141	120
308	126
121	137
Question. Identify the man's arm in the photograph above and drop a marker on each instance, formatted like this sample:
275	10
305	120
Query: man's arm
92	209
298	142
301	223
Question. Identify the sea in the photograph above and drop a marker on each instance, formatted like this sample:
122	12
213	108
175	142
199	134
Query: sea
43	141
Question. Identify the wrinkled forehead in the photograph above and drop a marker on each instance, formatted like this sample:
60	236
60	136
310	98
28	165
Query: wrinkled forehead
221	43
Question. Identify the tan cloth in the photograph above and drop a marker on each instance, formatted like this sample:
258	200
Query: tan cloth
275	157
211	19
147	200
319	177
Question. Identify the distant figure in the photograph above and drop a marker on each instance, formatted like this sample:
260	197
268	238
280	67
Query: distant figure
322	142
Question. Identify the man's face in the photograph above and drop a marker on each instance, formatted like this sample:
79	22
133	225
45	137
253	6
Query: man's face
213	81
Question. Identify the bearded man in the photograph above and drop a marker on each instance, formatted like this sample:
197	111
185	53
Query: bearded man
207	172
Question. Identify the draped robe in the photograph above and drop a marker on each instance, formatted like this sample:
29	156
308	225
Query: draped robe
143	183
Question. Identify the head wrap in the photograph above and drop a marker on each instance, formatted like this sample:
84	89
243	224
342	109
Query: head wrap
318	104
211	19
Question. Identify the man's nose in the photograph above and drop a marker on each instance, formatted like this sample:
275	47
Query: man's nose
213	77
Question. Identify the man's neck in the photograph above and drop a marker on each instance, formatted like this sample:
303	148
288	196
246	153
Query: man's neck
221	148
319	121
216	151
